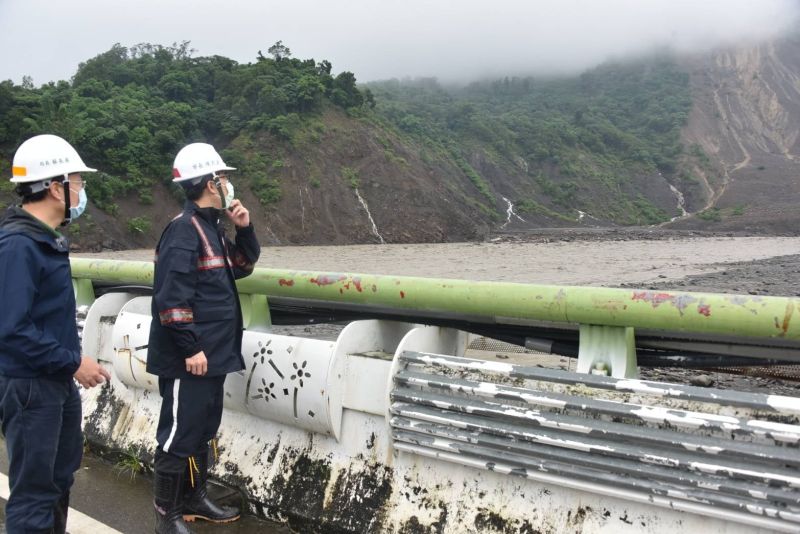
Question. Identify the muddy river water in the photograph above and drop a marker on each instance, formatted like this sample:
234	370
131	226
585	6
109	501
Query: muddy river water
586	262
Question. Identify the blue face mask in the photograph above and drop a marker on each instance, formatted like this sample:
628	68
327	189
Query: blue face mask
77	211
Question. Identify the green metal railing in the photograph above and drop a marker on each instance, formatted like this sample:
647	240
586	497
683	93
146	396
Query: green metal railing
707	313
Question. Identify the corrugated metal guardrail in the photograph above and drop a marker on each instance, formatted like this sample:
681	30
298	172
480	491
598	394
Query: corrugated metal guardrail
680	445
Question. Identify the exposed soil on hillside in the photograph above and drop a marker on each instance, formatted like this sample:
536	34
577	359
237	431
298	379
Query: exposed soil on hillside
345	179
333	186
746	120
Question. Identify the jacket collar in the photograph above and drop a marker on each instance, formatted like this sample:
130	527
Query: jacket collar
19	221
210	215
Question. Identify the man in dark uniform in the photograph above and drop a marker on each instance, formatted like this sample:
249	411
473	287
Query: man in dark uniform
40	353
196	334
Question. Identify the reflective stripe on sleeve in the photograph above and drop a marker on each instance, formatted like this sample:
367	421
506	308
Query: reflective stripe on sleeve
176	315
213	262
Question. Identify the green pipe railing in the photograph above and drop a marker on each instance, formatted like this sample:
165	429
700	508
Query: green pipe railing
711	313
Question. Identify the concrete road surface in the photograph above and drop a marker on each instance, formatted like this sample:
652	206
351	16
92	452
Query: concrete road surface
106	500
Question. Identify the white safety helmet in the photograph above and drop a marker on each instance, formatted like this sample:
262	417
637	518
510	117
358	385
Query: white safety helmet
196	160
43	157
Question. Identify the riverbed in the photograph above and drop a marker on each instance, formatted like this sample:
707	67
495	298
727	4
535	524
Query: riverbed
599	262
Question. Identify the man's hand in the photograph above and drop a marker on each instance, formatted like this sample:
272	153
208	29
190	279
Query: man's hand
197	364
91	373
238	214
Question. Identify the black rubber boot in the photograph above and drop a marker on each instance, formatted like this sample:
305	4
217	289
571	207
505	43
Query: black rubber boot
197	504
168	503
60	515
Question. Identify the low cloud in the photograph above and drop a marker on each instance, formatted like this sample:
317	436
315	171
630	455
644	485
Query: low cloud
377	39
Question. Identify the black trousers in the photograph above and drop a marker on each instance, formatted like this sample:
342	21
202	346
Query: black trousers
191	411
41	422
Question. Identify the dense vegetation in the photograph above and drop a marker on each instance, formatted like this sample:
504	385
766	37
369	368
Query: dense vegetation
610	123
129	110
573	143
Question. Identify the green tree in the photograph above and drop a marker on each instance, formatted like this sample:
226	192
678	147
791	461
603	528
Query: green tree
279	51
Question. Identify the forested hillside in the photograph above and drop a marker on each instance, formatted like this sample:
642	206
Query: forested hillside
303	139
590	143
324	160
129	110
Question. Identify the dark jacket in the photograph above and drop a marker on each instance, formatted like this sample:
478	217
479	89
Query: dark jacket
195	304
38	332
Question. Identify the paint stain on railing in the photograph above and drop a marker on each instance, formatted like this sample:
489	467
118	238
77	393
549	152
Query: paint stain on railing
787	318
680	302
328	279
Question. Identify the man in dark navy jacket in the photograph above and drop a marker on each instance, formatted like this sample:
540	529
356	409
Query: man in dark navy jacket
40	353
196	334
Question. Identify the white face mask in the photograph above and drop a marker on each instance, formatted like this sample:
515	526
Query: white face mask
229	195
77	211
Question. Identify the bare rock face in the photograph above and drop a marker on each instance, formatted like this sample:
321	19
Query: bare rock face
746	119
364	185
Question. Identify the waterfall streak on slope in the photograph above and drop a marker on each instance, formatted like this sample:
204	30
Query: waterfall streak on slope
510	213
582	214
681	203
371	220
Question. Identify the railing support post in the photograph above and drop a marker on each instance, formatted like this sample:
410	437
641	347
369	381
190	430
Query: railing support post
255	312
608	350
84	291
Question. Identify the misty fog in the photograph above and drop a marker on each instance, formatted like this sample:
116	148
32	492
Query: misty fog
452	40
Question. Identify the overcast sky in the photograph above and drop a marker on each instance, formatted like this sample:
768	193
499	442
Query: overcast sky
452	39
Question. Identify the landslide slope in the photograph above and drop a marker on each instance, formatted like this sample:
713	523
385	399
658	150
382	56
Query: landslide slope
703	142
746	119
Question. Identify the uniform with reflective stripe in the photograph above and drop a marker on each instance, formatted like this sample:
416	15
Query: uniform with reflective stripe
195	303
